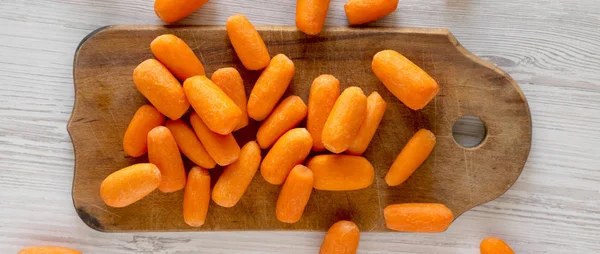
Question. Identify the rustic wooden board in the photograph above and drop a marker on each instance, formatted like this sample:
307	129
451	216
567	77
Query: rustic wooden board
459	177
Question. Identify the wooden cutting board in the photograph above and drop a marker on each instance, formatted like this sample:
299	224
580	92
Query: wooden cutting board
461	178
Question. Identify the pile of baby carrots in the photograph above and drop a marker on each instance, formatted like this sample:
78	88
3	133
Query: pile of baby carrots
341	122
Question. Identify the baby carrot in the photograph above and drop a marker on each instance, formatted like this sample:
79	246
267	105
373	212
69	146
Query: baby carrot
247	43
270	86
344	120
222	148
163	152
365	11
196	197
230	81
177	56
323	93
161	88
493	245
310	15
341	238
411	157
214	107
48	250
236	177
174	10
341	172
145	118
189	144
409	83
418	217
291	149
130	184
294	194
289	113
375	109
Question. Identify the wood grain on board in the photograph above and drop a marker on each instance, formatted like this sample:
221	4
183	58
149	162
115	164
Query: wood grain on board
461	178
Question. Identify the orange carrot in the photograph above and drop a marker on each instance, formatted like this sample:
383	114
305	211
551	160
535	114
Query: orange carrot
145	118
196	197
248	44
177	56
171	11
163	152
289	113
49	250
294	194
236	177
418	217
291	149
222	148
341	172
341	238
375	109
189	144
270	86
344	120
130	184
365	11
411	157
409	83
310	15
214	107
324	92
161	88
230	81
493	245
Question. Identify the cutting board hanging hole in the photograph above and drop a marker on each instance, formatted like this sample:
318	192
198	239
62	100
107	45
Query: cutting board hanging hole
469	131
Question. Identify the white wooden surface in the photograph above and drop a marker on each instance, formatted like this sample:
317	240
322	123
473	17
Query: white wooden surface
550	47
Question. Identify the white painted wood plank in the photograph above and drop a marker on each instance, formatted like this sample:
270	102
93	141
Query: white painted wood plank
550	47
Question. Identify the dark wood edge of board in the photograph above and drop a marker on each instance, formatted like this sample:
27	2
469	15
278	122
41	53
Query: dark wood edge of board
92	222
